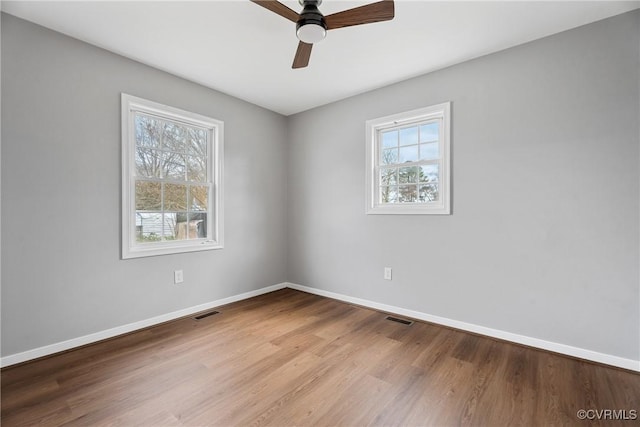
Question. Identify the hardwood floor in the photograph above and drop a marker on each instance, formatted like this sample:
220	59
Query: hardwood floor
291	358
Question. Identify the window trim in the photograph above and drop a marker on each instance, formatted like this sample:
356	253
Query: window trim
441	112
215	128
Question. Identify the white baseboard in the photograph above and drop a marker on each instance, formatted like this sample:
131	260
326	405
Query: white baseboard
114	332
594	356
607	359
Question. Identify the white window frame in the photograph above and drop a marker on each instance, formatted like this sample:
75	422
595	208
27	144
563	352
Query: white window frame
215	133
374	128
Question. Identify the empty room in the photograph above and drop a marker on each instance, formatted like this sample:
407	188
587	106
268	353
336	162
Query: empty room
320	213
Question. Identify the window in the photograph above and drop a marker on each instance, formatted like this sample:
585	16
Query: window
408	162
171	180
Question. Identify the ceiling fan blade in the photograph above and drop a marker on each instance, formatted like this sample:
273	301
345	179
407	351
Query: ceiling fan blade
367	14
279	8
303	53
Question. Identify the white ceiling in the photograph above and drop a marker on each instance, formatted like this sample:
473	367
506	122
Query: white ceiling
244	50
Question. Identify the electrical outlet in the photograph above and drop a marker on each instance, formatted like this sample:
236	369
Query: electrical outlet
387	273
178	277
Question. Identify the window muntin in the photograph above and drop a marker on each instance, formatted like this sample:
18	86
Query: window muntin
171	180
408	162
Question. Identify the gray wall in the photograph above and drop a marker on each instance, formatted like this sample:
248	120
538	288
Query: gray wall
62	276
543	240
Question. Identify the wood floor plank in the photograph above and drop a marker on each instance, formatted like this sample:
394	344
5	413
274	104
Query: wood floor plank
355	403
292	358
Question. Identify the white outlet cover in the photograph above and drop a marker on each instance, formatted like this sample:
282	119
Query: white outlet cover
178	276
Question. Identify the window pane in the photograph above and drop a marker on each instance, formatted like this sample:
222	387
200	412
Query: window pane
174	137
174	166
388	176
198	196
429	132
174	226
197	142
408	175
175	197
429	192
409	136
148	196
389	194
389	156
196	168
408	154
148	227
390	139
197	225
148	131
148	162
408	193
429	173
429	151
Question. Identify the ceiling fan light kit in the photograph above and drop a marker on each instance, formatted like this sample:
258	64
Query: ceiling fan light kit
312	25
311	33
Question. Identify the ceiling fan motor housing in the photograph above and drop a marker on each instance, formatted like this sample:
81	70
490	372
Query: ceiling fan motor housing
311	26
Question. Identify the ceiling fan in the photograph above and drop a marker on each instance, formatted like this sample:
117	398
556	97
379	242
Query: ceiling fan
312	25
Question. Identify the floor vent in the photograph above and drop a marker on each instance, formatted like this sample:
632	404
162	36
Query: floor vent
203	315
403	321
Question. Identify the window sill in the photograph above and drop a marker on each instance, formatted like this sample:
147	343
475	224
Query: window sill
169	249
409	210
